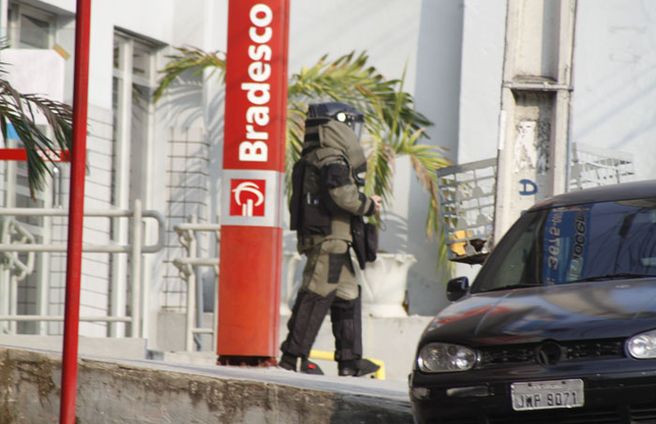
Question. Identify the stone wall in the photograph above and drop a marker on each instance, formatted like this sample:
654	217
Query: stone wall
124	393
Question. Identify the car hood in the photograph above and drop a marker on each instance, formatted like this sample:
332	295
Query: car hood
577	311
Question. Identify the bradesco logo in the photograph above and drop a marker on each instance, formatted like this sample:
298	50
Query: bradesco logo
247	197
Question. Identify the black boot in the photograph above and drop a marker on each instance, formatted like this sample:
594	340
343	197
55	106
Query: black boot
309	367
356	368
307	315
288	362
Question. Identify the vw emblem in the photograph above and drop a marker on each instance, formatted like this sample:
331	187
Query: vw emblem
548	353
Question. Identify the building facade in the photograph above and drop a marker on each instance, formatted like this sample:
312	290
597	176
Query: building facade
167	155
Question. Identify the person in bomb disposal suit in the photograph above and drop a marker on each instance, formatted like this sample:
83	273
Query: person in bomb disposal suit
326	211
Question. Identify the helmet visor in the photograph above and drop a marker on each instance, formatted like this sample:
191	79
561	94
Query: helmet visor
354	121
356	126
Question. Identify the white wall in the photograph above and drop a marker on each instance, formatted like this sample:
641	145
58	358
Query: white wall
480	87
387	29
437	93
614	79
480	79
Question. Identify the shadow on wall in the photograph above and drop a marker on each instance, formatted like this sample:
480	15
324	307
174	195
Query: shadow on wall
425	296
183	100
192	154
392	232
437	92
214	123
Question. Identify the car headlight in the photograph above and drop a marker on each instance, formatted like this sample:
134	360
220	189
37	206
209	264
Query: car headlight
445	357
642	346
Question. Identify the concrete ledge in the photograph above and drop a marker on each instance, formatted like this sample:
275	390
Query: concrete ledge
123	348
123	392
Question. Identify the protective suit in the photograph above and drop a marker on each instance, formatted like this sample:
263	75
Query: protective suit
324	202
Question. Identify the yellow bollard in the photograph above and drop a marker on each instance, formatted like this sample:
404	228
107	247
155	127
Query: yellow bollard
330	356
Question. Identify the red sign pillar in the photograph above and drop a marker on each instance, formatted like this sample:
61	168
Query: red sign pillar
252	181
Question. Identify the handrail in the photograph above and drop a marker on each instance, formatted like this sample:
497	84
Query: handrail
181	262
196	226
32	318
91	213
135	249
187	237
13	227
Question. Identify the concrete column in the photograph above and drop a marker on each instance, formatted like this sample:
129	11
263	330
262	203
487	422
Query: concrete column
535	106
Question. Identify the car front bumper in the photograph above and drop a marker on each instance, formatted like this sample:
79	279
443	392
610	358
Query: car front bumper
616	392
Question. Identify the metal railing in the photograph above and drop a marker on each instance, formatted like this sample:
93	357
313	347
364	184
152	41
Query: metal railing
467	205
187	266
592	166
27	244
13	262
467	195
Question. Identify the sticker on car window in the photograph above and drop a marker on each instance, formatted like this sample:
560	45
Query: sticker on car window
565	244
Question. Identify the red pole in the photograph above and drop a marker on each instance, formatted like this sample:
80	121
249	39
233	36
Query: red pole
76	213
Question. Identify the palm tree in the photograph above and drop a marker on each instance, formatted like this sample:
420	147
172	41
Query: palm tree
20	111
394	127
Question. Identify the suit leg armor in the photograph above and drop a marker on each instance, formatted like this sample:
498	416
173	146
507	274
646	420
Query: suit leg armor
307	315
346	317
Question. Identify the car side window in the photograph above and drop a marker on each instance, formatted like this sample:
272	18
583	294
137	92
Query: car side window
515	268
516	261
575	243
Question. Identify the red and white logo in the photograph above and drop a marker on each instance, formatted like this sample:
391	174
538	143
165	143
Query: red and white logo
247	197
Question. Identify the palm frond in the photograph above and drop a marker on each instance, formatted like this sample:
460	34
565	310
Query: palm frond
189	59
347	79
425	161
380	166
21	111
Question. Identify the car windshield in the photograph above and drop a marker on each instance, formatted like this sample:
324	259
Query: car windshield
588	242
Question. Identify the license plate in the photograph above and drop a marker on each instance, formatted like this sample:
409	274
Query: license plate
547	394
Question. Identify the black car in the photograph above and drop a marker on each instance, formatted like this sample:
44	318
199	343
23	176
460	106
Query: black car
559	325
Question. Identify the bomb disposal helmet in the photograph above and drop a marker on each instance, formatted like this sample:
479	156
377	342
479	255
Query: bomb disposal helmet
340	112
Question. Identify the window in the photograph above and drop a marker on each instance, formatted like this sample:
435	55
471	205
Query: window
132	88
133	84
30	28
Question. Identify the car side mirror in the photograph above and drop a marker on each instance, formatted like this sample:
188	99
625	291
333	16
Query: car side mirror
457	288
